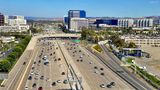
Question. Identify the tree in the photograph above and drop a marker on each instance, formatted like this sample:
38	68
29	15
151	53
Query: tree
132	45
13	55
5	65
11	60
84	34
18	50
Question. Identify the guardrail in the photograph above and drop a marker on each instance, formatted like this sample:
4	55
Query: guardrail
71	68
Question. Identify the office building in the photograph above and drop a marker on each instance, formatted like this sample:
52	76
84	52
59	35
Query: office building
75	14
16	20
125	22
6	19
106	22
142	40
77	24
143	23
2	18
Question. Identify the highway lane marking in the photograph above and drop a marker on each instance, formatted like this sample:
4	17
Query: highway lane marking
16	73
26	70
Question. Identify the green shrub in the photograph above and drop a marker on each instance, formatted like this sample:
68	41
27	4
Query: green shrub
98	48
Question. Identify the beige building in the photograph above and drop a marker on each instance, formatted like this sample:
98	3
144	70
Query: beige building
16	20
142	41
78	23
7	39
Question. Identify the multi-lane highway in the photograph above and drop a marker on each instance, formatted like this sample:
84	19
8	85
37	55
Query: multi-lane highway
95	73
53	74
112	62
58	64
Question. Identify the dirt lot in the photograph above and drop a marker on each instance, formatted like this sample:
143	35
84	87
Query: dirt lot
152	64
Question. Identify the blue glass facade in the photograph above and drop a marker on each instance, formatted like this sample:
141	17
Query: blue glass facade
106	21
65	20
75	14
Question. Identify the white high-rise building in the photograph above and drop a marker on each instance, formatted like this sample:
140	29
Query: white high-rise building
125	22
6	19
143	23
78	23
16	20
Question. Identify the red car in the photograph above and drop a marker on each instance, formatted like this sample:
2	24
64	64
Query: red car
40	88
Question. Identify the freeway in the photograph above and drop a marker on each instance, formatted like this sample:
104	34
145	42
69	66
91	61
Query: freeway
95	73
49	76
114	65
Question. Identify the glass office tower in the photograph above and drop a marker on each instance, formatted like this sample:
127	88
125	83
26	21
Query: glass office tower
75	14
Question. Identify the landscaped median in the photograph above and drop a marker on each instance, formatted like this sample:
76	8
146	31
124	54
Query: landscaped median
155	82
9	62
97	48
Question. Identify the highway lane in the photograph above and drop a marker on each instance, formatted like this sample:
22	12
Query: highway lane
93	76
51	72
110	62
17	71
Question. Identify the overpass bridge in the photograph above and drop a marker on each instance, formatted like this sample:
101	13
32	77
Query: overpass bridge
72	36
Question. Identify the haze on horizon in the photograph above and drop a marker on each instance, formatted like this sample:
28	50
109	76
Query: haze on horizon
59	8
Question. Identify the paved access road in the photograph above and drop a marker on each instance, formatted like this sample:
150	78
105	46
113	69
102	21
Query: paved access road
95	73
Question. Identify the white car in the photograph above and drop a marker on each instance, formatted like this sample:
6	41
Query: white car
59	81
102	86
26	88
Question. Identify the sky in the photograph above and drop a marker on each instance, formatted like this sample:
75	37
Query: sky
93	8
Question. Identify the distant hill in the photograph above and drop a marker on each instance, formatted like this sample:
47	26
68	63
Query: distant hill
37	18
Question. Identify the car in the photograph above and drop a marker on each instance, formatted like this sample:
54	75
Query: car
31	73
95	67
26	88
90	62
34	62
102	86
39	61
59	81
101	69
81	60
77	60
59	59
30	78
81	56
96	72
65	81
51	54
24	63
34	85
109	86
42	77
102	74
113	83
40	88
33	68
63	73
53	83
79	50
